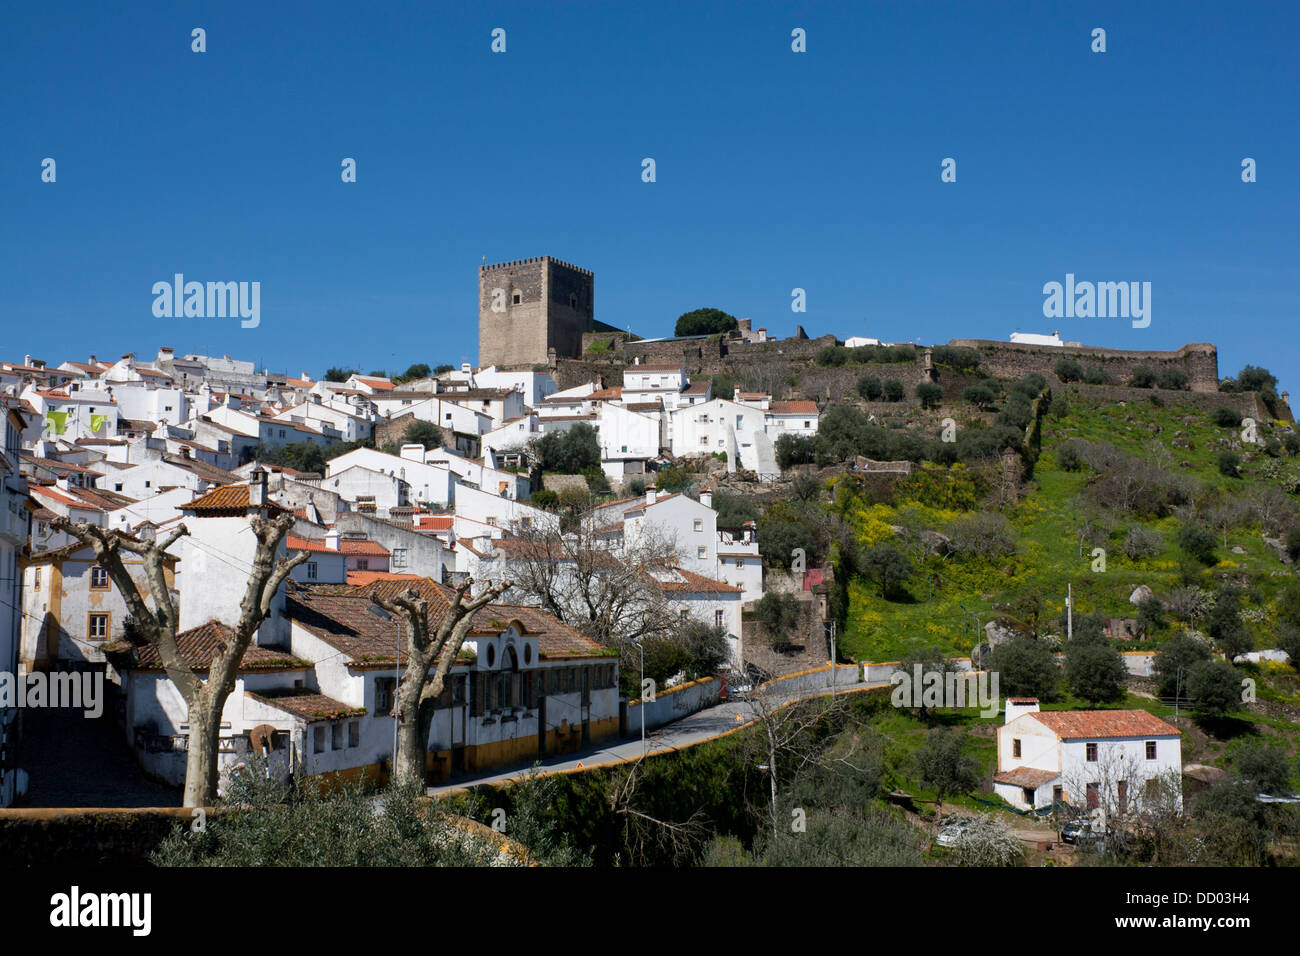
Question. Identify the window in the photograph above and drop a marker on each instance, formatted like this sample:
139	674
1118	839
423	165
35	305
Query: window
318	739
281	432
339	740
117	486
38	579
1123	795
1015	747
311	570
1151	750
363	564
384	688
699	524
807	424
717	619
97	629
686	615
701	551
515	299
1058	794
1091	754
354	733
740	562
704	440
1094	796
398	558
99	578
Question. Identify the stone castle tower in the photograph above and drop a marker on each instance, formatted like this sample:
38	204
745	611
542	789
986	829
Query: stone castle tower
529	306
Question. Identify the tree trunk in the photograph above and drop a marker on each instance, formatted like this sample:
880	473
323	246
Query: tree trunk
410	759
201	757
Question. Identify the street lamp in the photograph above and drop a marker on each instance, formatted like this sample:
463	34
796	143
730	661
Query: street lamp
383	615
639	647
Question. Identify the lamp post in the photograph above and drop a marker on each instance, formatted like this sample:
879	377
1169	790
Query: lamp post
639	647
380	613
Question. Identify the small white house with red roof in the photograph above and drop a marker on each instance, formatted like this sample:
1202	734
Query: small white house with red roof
1109	759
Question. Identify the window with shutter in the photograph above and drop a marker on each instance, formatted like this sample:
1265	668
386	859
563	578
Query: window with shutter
478	699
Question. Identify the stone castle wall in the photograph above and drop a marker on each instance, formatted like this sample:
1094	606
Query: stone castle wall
1014	360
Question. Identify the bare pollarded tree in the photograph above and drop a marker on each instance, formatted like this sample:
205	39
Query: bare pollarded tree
204	700
608	592
431	649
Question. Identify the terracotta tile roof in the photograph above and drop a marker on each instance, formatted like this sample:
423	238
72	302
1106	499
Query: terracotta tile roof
198	646
354	546
380	383
293	542
792	408
360	578
1100	724
53	464
691	583
227	498
697	388
607	393
339	617
1027	777
309	706
643	406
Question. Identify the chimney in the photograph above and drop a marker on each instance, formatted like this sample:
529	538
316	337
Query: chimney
332	539
706	498
27	360
735	393
413	452
464	367
257	487
650	493
1018	706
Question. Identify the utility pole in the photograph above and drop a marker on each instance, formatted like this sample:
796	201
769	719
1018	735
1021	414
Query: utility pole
833	658
1069	611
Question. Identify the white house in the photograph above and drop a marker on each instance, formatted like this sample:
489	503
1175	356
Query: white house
13	539
1112	759
74	412
427	482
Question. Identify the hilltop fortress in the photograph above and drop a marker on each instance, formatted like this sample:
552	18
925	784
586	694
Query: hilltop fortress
540	312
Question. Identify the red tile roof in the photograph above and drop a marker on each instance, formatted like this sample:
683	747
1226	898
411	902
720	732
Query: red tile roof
309	706
354	546
692	583
1027	777
1100	724
199	645
230	499
792	408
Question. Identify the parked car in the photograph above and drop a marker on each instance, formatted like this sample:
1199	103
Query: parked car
952	830
1079	831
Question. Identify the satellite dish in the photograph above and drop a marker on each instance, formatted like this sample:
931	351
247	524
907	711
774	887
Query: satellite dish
262	738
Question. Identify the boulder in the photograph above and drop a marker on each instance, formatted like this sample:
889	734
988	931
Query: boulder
1140	593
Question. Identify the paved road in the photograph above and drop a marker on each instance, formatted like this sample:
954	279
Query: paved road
693	729
75	761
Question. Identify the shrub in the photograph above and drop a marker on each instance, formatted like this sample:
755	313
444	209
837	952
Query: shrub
1144	376
777	540
1142	543
984	535
422	433
569	452
1215	688
1096	375
1228	464
1173	663
1173	379
1198	541
893	390
978	395
957	357
781	616
1026	667
1292	542
870	388
929	394
544	498
705	322
1068	370
831	356
885	564
1095	671
1225	417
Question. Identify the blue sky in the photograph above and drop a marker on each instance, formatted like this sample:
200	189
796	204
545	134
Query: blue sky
775	170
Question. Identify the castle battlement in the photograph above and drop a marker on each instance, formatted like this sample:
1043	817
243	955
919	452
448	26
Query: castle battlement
516	263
